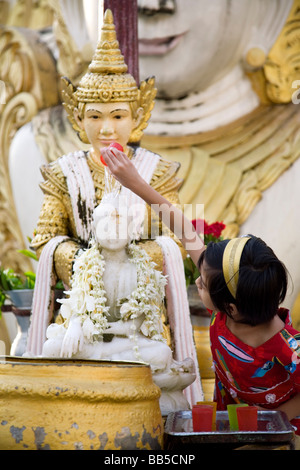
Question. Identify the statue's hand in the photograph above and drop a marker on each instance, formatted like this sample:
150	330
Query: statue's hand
73	340
125	328
116	328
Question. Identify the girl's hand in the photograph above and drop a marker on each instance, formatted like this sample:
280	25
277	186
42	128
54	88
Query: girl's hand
121	167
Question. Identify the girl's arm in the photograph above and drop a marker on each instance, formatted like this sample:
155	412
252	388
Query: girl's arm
291	407
125	172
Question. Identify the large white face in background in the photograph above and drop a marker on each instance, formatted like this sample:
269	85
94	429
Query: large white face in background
197	42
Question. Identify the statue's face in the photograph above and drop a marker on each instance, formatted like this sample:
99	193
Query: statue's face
105	123
112	229
195	44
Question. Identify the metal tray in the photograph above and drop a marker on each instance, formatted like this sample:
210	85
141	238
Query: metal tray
272	427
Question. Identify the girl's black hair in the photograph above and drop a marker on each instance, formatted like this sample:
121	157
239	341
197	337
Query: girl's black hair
262	283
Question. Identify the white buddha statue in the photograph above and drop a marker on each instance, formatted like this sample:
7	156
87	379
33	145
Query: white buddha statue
114	307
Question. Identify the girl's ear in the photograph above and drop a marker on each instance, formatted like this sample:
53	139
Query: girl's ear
233	311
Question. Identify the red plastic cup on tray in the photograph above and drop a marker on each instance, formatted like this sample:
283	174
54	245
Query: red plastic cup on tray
202	418
247	418
115	145
213	404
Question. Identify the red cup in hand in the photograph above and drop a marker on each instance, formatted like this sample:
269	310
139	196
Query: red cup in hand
115	145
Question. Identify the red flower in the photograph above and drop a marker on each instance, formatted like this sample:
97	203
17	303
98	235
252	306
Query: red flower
216	229
202	227
210	233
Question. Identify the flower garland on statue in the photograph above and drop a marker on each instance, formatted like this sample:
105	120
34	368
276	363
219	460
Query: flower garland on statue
87	297
148	297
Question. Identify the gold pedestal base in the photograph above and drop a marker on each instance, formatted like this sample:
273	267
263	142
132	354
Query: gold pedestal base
68	405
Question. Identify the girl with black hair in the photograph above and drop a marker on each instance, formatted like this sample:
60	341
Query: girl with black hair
254	347
256	351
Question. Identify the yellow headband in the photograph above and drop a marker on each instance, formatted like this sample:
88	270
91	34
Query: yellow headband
231	262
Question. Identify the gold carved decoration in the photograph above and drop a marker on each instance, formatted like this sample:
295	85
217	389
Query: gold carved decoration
273	76
146	101
282	66
228	169
32	14
29	79
71	61
25	68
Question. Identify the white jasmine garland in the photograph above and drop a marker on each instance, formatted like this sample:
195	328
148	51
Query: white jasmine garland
87	298
147	299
